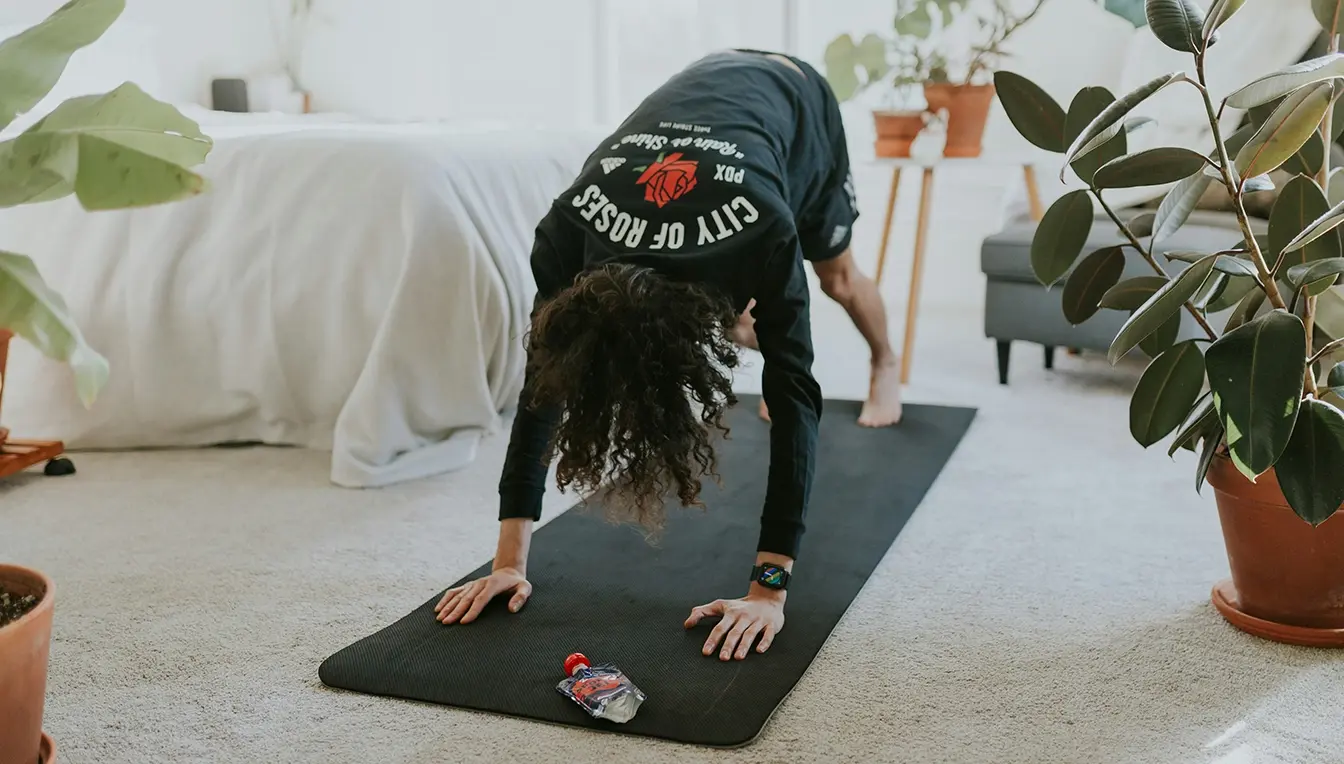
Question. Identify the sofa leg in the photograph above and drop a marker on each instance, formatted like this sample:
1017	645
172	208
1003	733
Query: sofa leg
1005	348
1049	357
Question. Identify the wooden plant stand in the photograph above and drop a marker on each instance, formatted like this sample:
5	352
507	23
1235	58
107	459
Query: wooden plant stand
19	455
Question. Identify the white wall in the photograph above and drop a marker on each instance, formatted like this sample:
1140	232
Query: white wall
568	61
554	61
195	39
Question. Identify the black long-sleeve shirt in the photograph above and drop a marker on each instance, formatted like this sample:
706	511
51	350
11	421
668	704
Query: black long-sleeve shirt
779	192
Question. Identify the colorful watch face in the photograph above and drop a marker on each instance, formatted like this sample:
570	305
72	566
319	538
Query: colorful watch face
772	576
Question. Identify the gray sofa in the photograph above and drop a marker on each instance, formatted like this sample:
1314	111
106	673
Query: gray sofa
1019	309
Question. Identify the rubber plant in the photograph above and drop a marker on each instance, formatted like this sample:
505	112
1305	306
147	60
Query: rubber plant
118	150
1256	395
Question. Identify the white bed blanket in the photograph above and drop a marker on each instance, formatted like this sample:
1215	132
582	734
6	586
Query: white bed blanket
357	287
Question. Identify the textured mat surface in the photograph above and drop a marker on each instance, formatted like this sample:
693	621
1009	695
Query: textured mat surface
603	590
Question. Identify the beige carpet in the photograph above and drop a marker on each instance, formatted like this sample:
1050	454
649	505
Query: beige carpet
1047	603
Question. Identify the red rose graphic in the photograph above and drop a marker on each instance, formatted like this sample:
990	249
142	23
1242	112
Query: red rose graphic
668	179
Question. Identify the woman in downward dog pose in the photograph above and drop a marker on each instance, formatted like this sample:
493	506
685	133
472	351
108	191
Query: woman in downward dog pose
685	235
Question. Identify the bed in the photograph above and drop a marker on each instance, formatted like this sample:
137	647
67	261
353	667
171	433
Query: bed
344	285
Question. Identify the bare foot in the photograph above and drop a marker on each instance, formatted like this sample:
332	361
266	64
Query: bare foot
883	407
764	411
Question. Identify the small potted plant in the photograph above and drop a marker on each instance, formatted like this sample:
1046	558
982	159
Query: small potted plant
1255	397
964	92
893	65
132	151
915	58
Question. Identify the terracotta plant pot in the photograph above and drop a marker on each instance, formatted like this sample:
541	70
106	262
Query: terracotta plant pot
897	131
4	357
1287	580
967	109
24	646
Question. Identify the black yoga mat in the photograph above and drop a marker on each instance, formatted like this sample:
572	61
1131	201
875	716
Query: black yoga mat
602	590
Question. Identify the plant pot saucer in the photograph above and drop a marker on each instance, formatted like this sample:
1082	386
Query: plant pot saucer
46	753
1226	600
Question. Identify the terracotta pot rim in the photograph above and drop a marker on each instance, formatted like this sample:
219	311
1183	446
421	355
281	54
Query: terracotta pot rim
900	113
9	572
958	86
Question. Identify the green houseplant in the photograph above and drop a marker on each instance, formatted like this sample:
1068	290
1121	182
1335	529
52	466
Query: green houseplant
915	57
1255	396
118	150
897	64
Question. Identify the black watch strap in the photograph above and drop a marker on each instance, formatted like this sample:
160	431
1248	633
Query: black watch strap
770	576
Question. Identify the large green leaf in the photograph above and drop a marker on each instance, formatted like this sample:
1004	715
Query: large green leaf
1279	84
1131	294
917	22
1086	105
872	56
1094	277
1337	120
1109	122
1165	393
1141	225
1219	13
1307	160
31	62
839	60
1154	167
35	312
1328	13
1258	183
1256	373
130	117
1160	307
1301	202
1321	226
1310	273
1135	124
1246	310
1336	378
118	150
1310	471
1178	24
1235	141
1177	205
1235	266
1213	287
1208	449
1232	294
1060	236
25	181
1201	419
1161	340
1036	115
1288	127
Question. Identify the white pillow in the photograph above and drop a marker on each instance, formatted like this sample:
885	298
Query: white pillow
127	52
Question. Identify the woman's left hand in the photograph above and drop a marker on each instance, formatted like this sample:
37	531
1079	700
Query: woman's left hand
741	621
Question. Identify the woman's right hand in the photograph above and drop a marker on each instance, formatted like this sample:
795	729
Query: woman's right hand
463	603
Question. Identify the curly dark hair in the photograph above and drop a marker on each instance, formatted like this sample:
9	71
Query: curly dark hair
626	355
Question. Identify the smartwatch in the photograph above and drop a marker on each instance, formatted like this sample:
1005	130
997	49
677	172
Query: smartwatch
770	576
